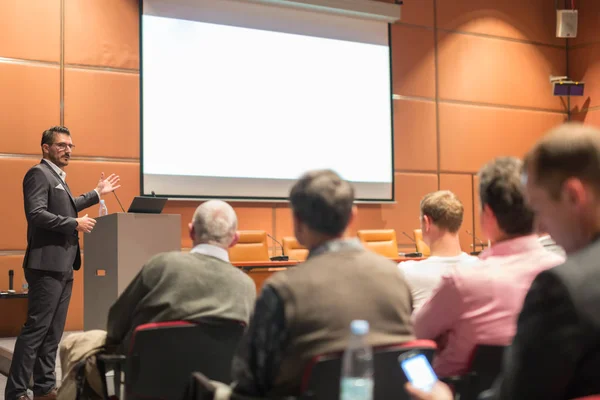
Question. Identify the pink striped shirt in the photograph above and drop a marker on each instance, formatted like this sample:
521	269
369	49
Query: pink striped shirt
480	304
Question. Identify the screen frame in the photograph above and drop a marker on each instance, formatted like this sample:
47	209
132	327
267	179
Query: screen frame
392	199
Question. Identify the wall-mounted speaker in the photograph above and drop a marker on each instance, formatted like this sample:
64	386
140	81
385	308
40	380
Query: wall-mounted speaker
566	23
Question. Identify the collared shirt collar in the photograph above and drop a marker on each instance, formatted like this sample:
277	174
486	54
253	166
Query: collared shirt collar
517	245
211	250
60	172
336	245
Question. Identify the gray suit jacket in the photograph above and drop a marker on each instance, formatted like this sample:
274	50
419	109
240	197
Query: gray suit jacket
51	209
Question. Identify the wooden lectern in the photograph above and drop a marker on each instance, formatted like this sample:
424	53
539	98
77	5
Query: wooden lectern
115	251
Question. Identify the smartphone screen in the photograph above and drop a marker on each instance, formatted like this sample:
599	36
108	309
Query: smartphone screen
419	371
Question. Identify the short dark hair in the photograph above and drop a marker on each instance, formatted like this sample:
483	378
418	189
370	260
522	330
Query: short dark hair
444	208
501	189
571	150
323	200
48	135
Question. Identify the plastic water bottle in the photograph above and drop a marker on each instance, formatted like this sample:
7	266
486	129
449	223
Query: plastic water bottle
103	210
357	365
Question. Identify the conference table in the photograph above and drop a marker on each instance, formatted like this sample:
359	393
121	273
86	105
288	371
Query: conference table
260	271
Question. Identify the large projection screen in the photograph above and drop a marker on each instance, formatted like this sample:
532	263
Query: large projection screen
240	99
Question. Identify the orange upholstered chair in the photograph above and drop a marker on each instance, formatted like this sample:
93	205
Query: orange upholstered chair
252	246
421	245
381	241
293	249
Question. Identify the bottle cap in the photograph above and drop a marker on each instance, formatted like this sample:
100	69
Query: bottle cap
102	201
359	327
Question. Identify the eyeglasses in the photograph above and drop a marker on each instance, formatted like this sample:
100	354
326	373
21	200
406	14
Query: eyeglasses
63	145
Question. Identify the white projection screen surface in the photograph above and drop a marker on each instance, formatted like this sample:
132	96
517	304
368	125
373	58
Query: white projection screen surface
240	99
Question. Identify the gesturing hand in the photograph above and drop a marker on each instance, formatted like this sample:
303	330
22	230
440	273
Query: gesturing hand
85	224
107	185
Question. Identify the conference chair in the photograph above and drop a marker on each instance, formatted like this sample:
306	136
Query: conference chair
321	380
421	245
163	355
381	241
252	246
294	250
485	366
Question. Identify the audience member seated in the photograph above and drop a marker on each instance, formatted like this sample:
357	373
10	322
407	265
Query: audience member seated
441	219
307	310
555	354
193	286
479	305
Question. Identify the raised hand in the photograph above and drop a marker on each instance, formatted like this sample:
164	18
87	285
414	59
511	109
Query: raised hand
107	185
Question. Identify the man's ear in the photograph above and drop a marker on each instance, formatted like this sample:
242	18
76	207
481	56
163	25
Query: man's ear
192	231
574	191
236	238
426	223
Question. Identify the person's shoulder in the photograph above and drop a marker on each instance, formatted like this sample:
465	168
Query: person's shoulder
37	169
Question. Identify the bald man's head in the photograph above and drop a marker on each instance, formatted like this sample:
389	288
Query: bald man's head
214	222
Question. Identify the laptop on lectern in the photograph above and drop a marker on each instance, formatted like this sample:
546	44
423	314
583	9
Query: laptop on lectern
147	205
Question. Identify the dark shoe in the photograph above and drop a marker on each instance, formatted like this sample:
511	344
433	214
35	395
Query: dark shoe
51	395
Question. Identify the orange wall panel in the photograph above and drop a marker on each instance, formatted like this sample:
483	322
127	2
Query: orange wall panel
479	69
584	65
413	67
415	141
473	135
30	104
531	20
591	117
30	30
102	33
102	111
417	12
462	186
12	214
587	27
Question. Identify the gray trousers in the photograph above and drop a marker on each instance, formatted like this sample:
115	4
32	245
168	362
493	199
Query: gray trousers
36	347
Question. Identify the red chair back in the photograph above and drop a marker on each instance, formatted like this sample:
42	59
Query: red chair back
321	378
163	356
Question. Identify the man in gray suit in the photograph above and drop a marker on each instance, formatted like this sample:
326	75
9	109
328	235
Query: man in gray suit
51	256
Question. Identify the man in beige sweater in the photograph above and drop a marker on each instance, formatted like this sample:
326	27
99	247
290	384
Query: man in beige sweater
307	310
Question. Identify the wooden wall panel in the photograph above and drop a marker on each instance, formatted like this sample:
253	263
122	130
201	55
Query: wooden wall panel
12	214
30	104
587	27
102	111
521	79
413	67
472	135
584	65
417	12
102	33
30	29
415	141
531	20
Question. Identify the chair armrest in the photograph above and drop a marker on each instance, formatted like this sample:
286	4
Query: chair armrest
106	362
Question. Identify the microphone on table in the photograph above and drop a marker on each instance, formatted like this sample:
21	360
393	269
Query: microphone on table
416	253
282	257
11	275
118	201
153	194
475	251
